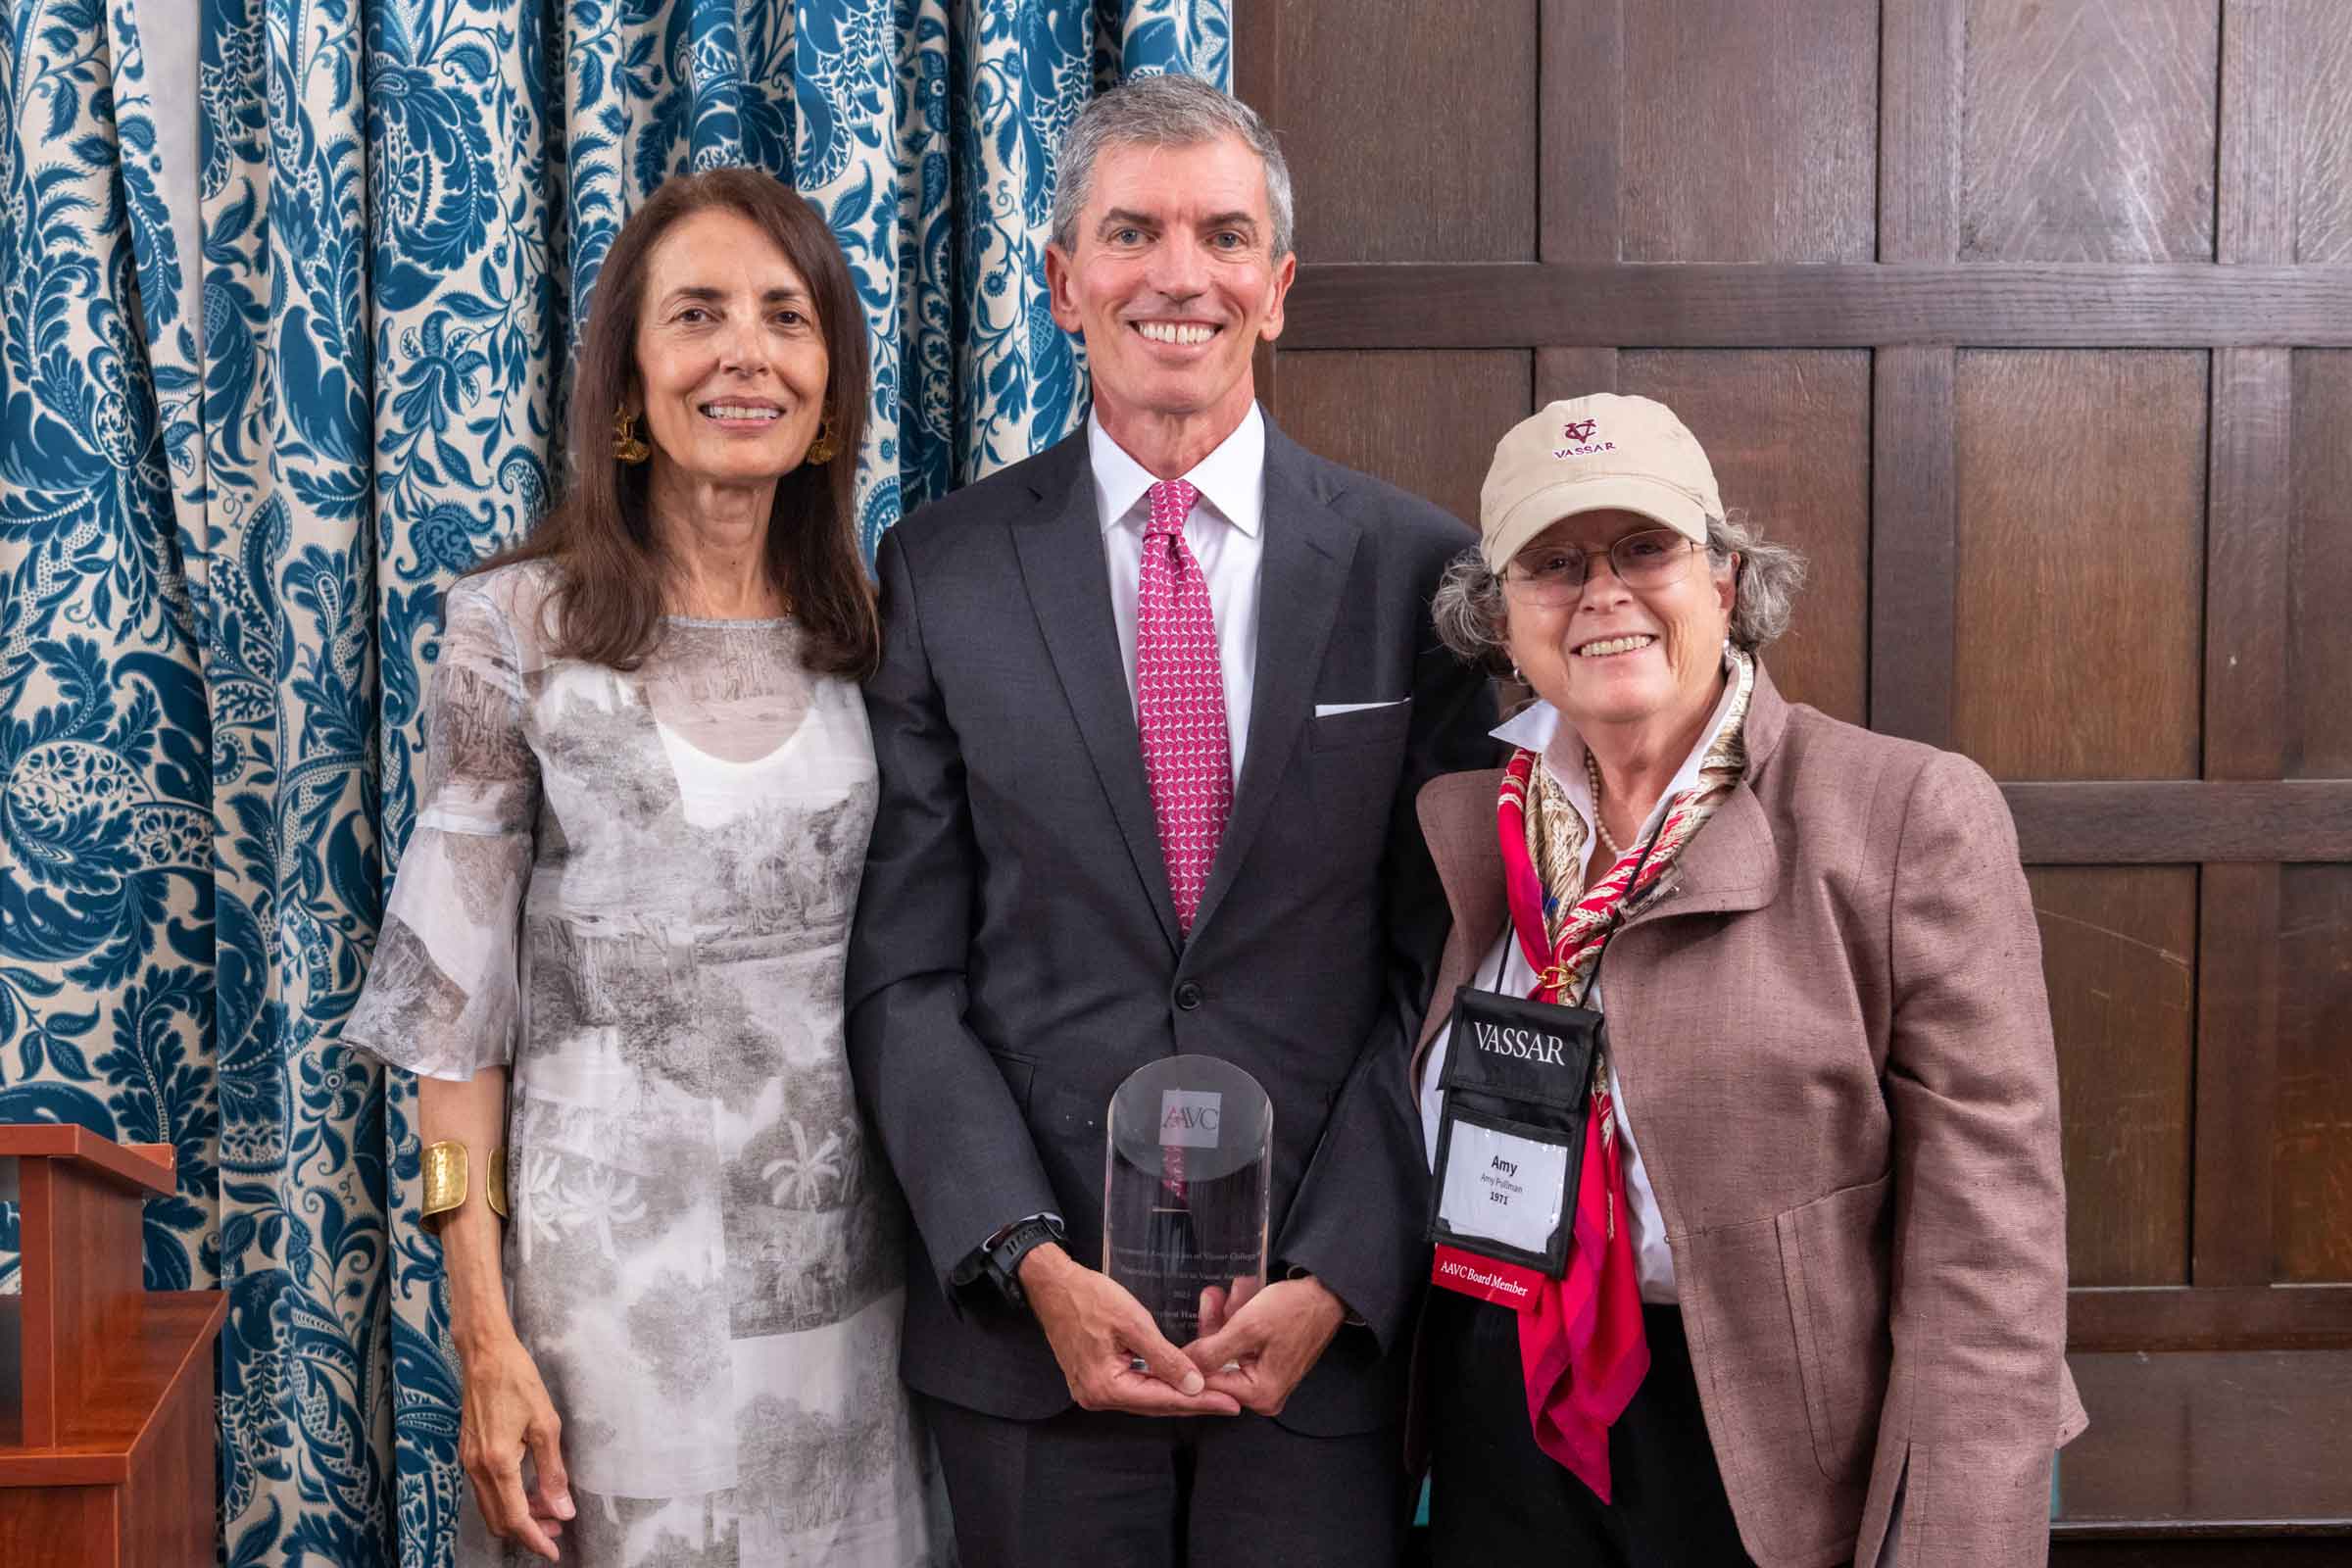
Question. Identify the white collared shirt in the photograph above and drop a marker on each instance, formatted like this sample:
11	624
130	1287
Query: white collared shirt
1225	534
1505	969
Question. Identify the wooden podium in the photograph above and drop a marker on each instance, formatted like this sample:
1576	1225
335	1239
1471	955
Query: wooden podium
106	1388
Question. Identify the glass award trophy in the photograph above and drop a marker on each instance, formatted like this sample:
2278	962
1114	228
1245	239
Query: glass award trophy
1185	1180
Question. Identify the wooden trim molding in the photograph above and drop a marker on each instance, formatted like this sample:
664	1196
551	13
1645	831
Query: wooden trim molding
1921	48
2255	194
2249	540
2231	1226
1914	544
1573	374
1257	59
2182	821
1579	173
2254	1317
2247	611
1482	305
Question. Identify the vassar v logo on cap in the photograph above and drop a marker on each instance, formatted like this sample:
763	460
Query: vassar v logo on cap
1603	453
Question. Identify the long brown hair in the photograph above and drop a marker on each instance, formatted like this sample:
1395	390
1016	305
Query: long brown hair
607	605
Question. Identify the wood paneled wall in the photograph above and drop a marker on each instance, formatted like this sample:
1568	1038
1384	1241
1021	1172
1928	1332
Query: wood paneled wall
2031	322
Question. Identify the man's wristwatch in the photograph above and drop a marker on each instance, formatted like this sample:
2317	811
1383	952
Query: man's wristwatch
1001	1258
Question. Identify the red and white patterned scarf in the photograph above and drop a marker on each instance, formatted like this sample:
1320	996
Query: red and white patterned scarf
1580	1344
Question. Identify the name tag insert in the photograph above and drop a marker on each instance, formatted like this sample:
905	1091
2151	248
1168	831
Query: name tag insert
1503	1183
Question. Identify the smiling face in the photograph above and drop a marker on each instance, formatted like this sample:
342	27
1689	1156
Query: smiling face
1614	656
730	365
1172	281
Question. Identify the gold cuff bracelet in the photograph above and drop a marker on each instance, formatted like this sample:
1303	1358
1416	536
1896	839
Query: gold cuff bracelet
445	1180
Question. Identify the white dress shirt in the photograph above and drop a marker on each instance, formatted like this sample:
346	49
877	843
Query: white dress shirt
1505	969
1225	534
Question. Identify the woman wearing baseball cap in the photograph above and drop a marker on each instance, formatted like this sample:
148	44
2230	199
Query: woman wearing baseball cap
1755	1249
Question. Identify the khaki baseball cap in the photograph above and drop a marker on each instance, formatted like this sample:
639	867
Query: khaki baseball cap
1593	454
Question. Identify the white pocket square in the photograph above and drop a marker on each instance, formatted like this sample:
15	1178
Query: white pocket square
1327	710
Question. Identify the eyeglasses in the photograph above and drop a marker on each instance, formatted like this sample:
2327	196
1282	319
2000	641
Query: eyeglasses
1550	575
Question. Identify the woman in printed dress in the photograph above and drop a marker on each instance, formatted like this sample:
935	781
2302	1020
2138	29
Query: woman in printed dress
616	944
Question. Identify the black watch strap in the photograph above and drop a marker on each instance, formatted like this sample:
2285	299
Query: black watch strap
1007	1249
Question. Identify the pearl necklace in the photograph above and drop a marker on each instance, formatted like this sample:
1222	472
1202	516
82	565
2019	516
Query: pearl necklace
1593	772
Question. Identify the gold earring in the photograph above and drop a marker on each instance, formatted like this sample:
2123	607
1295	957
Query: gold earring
823	449
625	445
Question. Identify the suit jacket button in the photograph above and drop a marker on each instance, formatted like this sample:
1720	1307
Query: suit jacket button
1188	995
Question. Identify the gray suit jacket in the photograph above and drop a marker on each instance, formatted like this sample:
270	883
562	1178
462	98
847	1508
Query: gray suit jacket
1016	953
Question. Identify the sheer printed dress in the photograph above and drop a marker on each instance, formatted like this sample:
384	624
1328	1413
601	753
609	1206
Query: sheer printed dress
635	889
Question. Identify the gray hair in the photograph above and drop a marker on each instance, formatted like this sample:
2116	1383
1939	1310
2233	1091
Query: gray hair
1170	111
1471	617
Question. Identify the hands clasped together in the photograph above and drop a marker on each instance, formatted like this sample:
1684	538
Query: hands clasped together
1252	1349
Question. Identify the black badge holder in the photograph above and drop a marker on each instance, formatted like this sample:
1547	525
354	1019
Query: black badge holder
1525	1096
1543	1097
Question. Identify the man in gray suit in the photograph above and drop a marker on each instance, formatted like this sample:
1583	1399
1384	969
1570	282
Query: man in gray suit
1152	712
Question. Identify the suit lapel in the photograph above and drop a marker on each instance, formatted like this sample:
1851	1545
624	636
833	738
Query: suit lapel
1308	550
1061	552
1457	823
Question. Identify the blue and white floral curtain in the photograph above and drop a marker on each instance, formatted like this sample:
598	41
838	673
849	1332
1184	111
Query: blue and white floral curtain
286	299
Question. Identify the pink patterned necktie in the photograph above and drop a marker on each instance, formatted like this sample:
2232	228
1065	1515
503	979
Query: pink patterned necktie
1180	701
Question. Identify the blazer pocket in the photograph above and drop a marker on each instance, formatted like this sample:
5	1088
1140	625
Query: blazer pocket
1020	1076
1834	1260
1363	726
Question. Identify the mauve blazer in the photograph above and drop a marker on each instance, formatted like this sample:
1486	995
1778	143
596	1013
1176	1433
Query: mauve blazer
1829	1025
